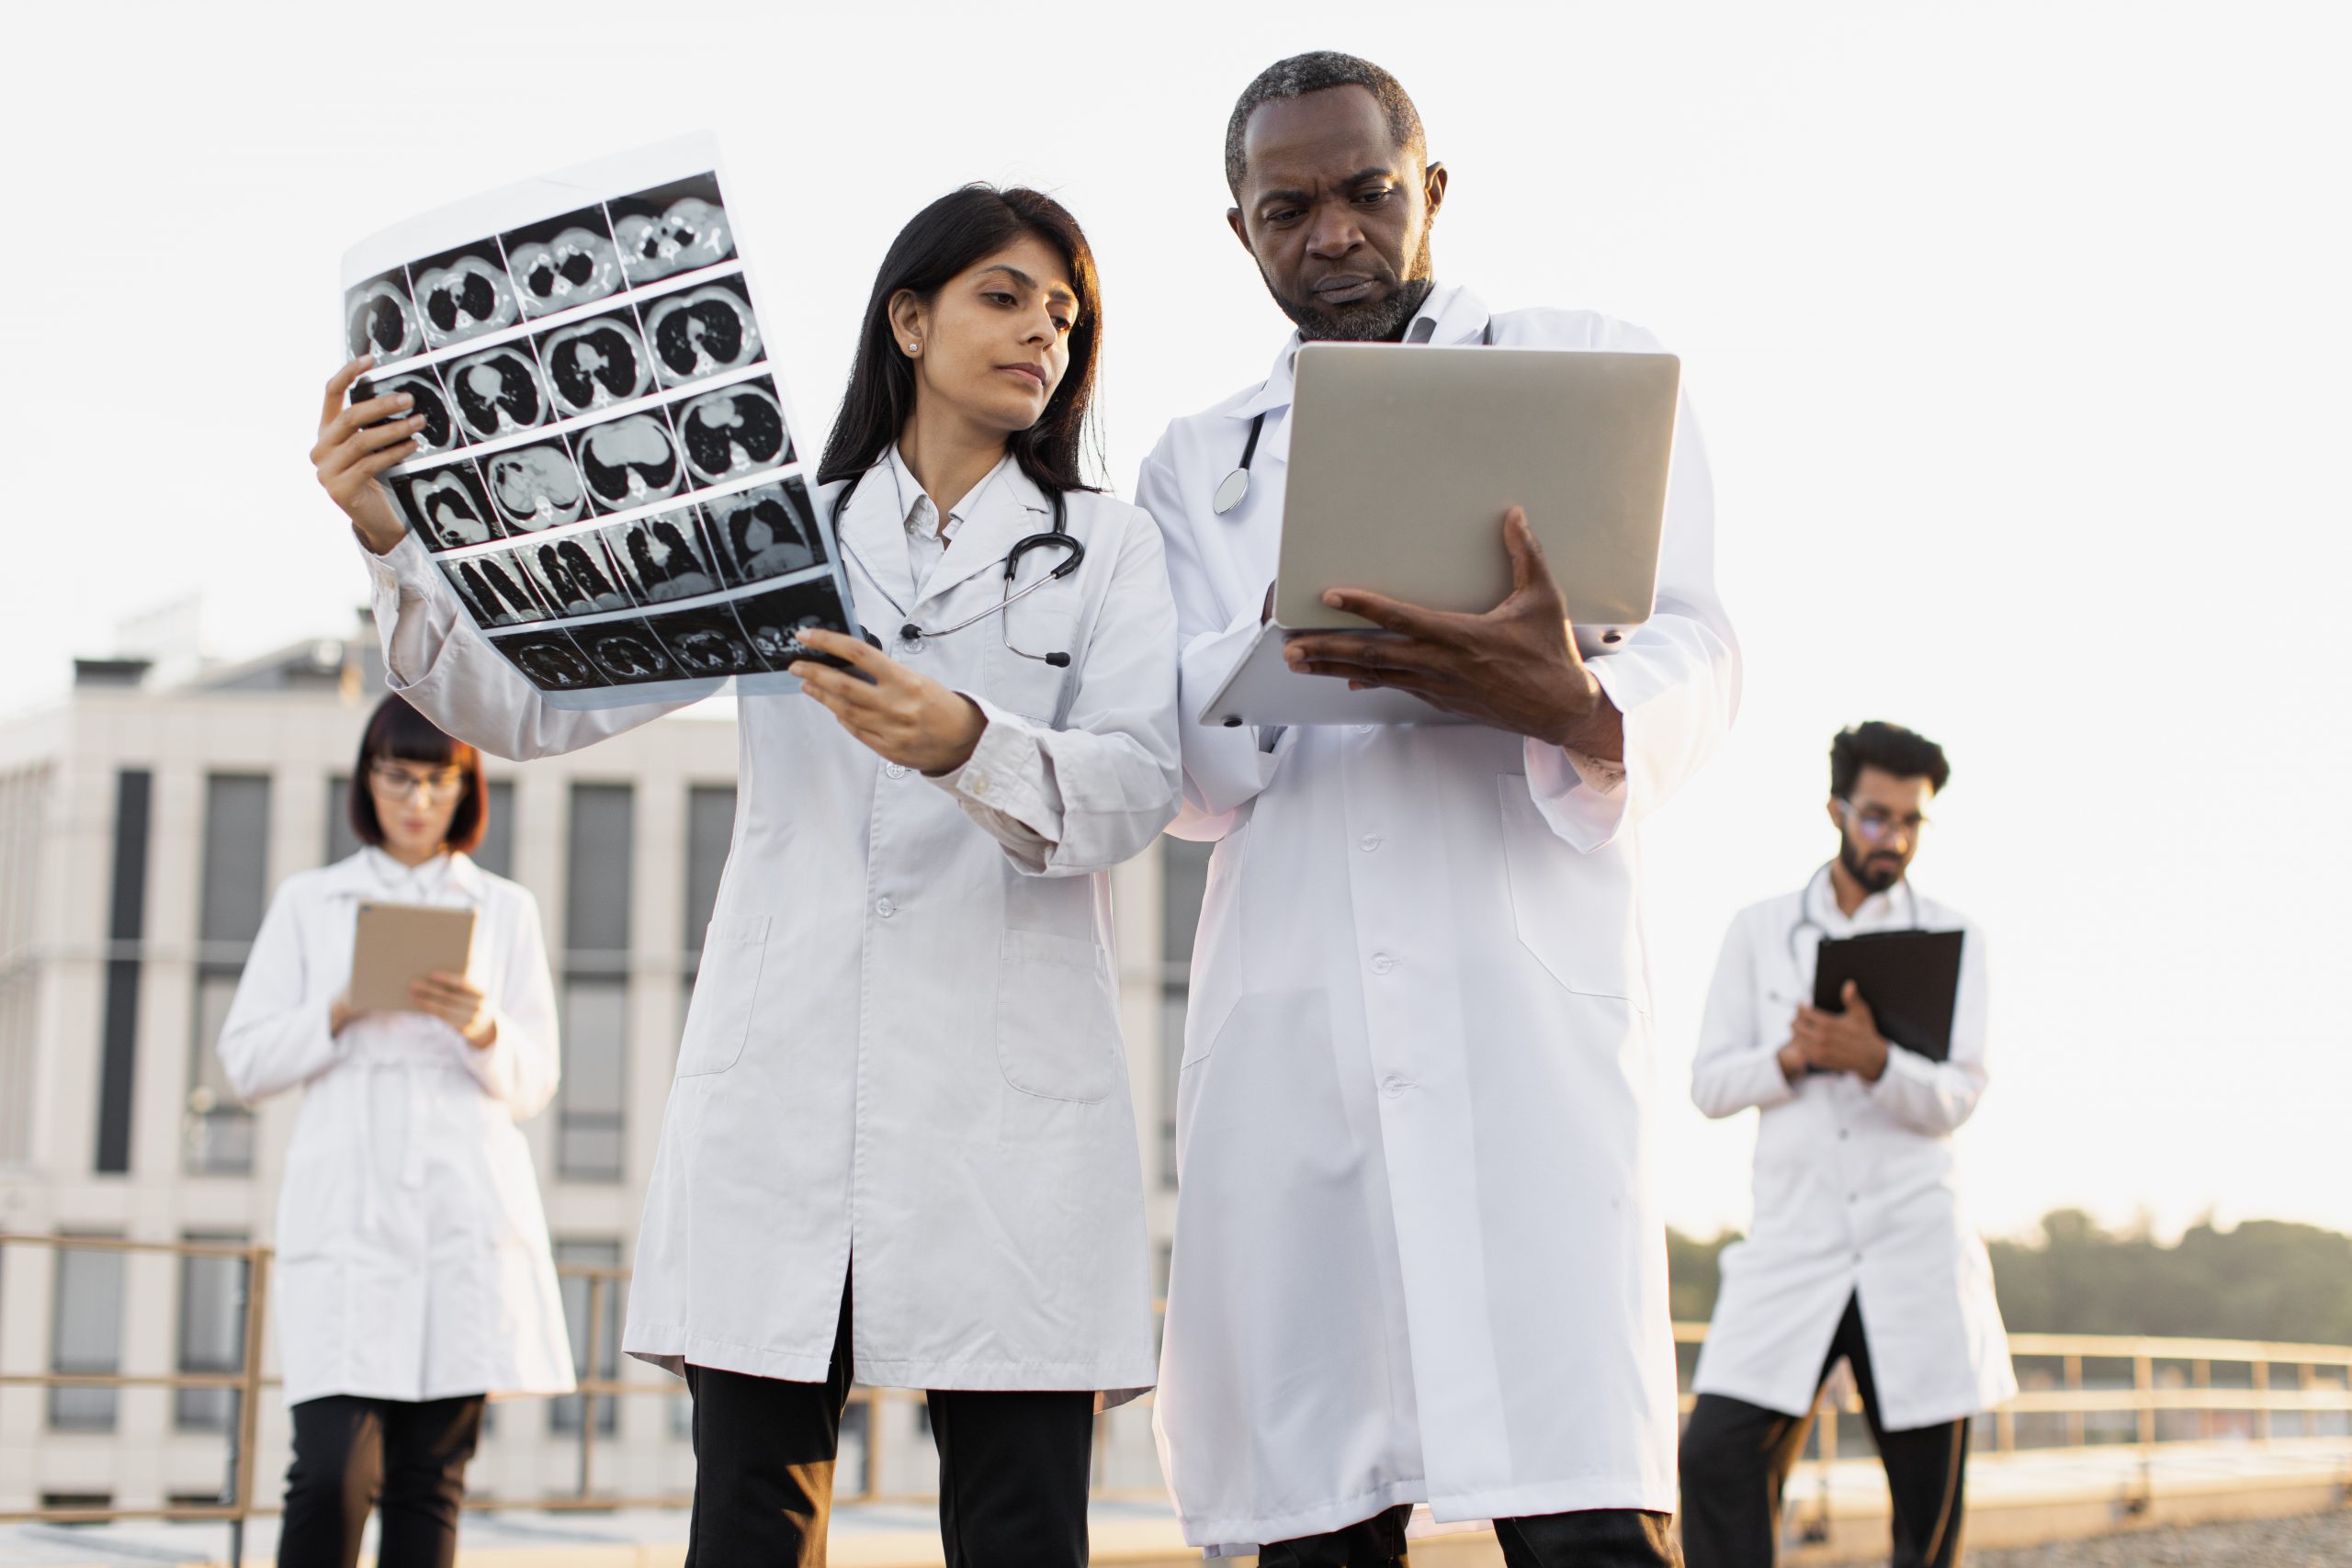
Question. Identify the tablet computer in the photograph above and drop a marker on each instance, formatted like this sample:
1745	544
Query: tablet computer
398	945
1403	460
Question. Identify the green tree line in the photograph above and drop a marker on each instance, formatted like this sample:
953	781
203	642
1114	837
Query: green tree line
2261	1279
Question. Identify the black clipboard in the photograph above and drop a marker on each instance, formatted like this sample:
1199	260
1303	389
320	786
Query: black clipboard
1911	980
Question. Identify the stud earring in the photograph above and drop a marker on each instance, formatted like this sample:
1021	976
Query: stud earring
912	346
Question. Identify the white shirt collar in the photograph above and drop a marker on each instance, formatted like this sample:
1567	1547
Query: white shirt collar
916	509
1451	315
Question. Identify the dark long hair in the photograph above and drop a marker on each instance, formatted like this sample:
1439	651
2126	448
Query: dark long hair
957	232
398	730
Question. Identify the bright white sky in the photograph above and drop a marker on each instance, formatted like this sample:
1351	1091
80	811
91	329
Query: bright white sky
2019	333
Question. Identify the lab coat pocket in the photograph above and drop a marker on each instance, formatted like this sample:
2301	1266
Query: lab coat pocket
1574	912
1057	1018
727	987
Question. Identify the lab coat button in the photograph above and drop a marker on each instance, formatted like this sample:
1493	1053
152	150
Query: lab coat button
894	770
1382	963
1363	728
884	908
1369	842
1392	1086
977	783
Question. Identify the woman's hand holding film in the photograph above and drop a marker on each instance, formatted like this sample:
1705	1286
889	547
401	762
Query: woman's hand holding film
905	718
356	443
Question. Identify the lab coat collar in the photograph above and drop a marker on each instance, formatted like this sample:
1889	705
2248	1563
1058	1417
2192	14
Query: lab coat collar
372	873
1898	909
1003	510
1455	316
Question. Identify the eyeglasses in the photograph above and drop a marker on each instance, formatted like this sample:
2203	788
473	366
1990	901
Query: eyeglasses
1877	824
400	783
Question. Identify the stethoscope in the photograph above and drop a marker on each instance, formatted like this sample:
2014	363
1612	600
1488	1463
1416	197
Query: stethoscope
1805	922
1074	552
1232	488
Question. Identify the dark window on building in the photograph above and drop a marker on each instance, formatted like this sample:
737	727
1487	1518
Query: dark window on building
495	853
591	1102
218	1132
212	1334
86	1337
563	1413
126	926
1183	879
710	828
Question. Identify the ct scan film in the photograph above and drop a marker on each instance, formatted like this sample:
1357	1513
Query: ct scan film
608	475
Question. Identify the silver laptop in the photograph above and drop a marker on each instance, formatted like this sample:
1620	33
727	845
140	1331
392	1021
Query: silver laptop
1402	463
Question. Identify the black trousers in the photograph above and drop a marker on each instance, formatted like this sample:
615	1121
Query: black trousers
352	1455
1012	1470
1599	1538
1737	1458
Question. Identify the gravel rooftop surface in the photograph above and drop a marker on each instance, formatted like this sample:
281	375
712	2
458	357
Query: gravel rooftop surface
2311	1541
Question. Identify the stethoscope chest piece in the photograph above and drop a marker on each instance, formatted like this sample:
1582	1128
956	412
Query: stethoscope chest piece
1230	490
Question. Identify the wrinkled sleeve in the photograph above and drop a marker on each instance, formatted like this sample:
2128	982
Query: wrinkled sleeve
1676	680
278	1035
1733	1069
437	657
1933	1096
522	1065
1082	798
1224	769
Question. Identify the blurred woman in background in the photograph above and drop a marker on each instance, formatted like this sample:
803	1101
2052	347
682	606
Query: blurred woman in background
414	1275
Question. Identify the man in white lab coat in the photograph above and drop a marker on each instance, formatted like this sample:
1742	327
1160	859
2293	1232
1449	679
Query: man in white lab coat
1417	1258
1860	1249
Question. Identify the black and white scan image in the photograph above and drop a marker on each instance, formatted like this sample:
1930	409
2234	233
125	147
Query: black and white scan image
661	557
775	618
703	332
536	487
498	391
552	660
463	293
596	363
439	433
626	651
734	430
767	531
629	462
379	320
494	589
605	467
563	262
706	640
574	575
447	507
671	229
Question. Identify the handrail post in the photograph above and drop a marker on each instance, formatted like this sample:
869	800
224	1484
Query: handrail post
2075	1419
2262	1402
245	1438
588	1396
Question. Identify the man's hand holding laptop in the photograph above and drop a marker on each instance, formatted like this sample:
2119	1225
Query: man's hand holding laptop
1515	667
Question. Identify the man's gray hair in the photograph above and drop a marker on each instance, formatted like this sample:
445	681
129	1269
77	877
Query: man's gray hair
1312	72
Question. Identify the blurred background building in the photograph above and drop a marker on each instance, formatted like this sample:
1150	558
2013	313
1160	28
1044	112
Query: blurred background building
145	820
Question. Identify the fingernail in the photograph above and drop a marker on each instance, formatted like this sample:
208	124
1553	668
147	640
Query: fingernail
1332	598
407	400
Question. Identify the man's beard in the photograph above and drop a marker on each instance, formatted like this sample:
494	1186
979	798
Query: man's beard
1383	322
1872	879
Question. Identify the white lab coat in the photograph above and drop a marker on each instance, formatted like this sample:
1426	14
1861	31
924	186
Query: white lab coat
412	1256
1418	1255
902	1055
1855	1184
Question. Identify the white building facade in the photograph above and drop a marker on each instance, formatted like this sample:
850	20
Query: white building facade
143	830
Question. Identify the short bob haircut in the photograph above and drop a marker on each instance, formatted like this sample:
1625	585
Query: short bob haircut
951	236
397	732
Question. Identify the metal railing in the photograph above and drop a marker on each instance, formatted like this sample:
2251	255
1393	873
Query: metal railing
2084	1383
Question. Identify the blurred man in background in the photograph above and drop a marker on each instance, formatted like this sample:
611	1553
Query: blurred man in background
1861	1247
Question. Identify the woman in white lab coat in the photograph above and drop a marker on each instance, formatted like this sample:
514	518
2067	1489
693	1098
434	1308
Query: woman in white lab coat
413	1277
899	1144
